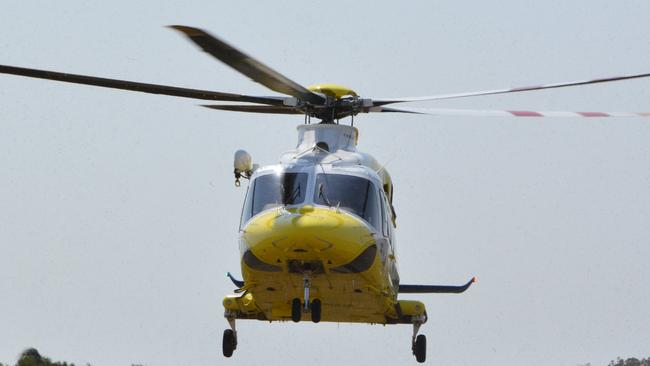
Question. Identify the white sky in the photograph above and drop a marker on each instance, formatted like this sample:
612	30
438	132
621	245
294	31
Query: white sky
118	214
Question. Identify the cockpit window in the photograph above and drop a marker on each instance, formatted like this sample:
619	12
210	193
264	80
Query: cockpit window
273	190
350	193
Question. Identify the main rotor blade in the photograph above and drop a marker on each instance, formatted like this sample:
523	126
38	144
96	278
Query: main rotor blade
273	109
248	65
139	87
505	113
384	101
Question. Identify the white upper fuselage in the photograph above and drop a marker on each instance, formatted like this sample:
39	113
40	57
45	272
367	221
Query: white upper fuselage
341	147
328	149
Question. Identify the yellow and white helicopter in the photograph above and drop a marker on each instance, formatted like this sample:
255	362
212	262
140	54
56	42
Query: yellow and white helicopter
317	229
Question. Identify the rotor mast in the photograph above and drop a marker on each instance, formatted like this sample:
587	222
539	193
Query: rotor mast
340	102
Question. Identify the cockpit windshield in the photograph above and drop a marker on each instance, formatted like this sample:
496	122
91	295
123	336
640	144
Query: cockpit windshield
272	190
350	193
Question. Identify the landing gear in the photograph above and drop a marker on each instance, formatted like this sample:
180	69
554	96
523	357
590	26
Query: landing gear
420	348
419	343
229	342
307	305
296	310
315	311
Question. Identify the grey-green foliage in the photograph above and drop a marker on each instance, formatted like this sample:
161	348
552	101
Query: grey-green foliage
31	357
630	362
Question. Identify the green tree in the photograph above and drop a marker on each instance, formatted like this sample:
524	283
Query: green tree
630	362
31	357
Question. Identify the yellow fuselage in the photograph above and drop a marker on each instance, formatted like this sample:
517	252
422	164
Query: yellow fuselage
322	219
280	244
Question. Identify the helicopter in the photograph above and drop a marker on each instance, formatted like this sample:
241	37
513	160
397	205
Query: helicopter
317	230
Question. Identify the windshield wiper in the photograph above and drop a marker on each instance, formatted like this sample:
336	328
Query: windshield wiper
321	194
294	195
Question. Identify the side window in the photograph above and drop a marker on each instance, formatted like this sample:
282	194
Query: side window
371	206
246	211
389	216
384	214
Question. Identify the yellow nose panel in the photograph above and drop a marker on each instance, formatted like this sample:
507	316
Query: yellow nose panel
307	232
332	90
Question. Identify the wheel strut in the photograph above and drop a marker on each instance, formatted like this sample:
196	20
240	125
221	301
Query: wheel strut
306	282
416	329
229	342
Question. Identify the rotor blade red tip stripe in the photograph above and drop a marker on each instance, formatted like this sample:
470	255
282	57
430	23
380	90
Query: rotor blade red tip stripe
525	113
594	114
502	113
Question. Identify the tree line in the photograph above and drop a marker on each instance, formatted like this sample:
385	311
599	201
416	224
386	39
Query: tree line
31	357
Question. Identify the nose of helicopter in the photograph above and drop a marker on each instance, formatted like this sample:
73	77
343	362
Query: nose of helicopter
308	234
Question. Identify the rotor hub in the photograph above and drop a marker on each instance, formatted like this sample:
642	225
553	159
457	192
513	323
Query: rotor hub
332	90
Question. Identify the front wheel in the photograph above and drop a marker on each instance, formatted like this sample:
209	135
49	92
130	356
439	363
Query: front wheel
229	342
296	310
420	348
315	310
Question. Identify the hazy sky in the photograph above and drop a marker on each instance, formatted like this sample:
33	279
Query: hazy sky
119	216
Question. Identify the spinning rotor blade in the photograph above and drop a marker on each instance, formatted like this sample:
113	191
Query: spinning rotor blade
139	87
248	66
272	109
504	113
384	101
